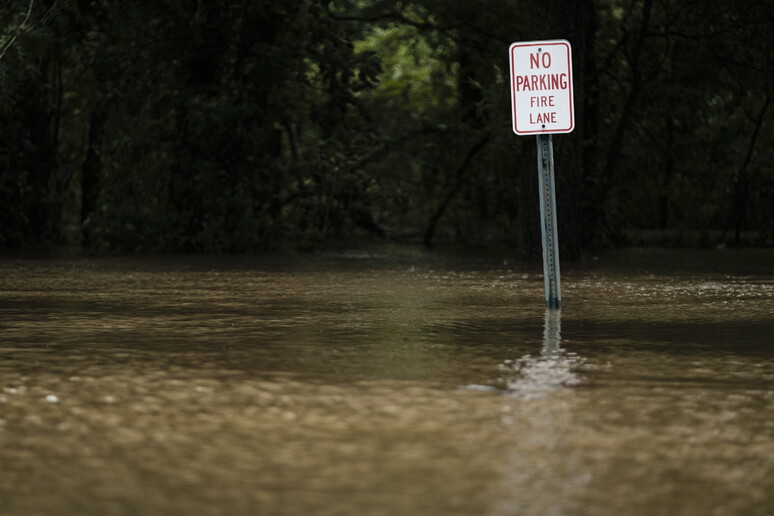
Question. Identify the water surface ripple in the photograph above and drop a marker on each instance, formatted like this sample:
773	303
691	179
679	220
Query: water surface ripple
387	380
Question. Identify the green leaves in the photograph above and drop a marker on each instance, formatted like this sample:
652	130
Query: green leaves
185	125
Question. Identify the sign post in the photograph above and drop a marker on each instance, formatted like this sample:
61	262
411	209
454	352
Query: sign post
542	104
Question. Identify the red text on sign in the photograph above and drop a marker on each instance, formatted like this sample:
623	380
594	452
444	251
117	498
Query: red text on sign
542	101
535	60
541	82
542	118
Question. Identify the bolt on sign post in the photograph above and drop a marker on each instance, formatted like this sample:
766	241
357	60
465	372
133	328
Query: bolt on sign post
542	104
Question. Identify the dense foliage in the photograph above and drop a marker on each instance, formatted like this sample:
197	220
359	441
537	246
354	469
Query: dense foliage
230	125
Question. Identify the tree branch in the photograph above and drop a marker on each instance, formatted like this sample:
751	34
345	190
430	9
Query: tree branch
25	26
21	29
460	181
390	16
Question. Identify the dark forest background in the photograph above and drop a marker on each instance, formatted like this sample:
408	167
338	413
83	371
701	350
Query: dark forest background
234	125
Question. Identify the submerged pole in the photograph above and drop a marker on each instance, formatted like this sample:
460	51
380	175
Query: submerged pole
545	158
552	333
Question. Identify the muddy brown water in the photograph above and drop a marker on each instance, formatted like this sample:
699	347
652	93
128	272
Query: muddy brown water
387	380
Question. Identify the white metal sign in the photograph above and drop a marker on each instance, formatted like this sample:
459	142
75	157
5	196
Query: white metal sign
541	87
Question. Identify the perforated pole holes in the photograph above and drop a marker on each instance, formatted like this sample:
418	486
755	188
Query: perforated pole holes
551	274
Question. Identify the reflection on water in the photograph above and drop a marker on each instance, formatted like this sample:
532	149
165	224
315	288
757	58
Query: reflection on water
554	368
533	376
295	384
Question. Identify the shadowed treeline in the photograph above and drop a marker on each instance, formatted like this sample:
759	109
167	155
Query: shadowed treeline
231	125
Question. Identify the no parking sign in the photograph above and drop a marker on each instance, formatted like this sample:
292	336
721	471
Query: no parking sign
541	87
542	104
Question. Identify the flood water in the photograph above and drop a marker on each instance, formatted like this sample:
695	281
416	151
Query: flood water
387	380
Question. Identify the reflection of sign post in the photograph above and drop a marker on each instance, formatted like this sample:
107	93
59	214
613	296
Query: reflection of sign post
542	104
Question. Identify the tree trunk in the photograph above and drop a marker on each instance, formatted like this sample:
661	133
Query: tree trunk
79	90
570	20
741	182
607	179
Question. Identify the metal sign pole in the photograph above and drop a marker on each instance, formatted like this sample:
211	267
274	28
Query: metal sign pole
545	158
542	103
